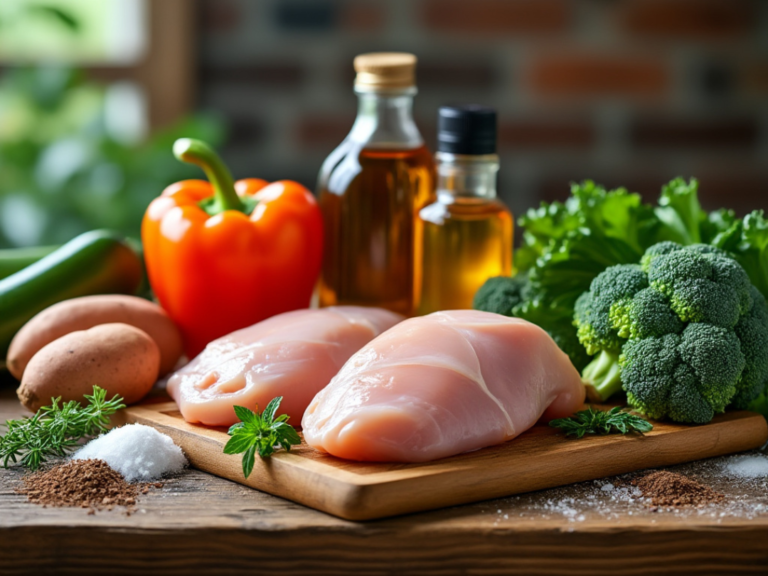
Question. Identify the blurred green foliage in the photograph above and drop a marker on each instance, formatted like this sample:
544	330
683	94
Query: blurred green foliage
63	167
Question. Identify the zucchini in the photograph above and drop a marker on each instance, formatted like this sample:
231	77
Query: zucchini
14	259
97	262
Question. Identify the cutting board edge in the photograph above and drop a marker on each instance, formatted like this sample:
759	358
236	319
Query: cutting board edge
367	504
359	497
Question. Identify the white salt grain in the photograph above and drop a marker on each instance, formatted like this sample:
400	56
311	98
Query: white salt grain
748	467
138	452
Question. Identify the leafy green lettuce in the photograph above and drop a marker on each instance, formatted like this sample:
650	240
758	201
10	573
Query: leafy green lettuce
567	244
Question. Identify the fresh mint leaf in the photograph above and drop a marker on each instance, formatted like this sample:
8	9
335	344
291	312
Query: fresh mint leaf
269	412
261	433
249	459
244	414
239	443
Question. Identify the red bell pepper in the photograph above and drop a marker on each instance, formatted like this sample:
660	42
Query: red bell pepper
222	255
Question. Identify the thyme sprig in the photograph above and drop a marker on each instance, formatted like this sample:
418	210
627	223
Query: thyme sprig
56	430
617	420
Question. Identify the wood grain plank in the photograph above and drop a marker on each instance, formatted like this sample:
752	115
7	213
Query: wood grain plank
339	552
538	459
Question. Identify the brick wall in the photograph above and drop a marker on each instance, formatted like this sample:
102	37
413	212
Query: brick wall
629	92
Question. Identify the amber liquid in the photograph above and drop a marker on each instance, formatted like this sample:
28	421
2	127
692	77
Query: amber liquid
369	201
459	246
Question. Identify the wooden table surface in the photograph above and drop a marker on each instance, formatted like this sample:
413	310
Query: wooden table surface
200	524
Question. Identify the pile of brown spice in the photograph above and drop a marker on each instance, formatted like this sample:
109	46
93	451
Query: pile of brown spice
82	483
670	489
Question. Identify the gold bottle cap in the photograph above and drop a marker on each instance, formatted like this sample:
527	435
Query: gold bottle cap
385	70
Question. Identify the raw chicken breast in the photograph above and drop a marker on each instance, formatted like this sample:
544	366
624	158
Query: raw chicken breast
441	385
293	355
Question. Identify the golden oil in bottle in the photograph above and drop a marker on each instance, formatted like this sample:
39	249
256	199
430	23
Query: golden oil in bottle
370	189
465	237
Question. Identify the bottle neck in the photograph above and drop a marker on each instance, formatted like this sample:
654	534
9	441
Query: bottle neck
385	120
466	177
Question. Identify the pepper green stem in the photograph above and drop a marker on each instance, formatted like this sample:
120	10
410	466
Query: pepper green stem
199	153
602	376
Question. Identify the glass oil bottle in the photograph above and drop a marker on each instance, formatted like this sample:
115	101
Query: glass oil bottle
465	237
371	188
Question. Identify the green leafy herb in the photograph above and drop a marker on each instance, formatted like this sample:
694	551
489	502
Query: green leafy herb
56	429
617	420
261	433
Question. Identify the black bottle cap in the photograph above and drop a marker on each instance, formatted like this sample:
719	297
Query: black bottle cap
466	129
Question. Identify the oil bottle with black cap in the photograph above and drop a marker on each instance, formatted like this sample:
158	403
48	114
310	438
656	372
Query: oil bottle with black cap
465	237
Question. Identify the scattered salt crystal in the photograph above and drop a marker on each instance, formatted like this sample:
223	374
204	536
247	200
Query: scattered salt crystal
748	467
607	487
138	452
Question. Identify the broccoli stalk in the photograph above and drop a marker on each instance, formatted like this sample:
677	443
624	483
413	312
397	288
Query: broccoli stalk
602	376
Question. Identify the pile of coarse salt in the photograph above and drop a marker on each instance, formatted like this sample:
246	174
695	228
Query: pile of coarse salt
138	452
747	467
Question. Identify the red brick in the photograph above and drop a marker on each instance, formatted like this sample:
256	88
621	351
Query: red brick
673	132
464	74
689	18
754	77
477	74
220	15
275	74
598	75
325	132
546	134
497	16
362	16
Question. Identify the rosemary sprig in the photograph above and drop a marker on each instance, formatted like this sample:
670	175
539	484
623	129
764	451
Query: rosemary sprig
55	430
617	420
261	433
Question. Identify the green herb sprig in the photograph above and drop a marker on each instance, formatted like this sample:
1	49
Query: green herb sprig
261	433
617	420
55	430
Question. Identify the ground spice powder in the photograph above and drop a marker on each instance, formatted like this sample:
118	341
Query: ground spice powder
670	489
81	483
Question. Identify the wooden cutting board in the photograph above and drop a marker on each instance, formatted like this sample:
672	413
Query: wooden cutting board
540	458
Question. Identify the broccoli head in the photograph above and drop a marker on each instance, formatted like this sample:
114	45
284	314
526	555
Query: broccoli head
685	333
500	294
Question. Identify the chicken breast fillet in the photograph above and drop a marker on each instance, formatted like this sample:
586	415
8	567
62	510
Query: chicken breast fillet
441	385
293	355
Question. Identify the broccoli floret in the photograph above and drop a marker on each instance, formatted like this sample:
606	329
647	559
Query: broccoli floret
649	314
660	249
702	284
600	312
752	331
692	339
500	294
687	377
601	318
